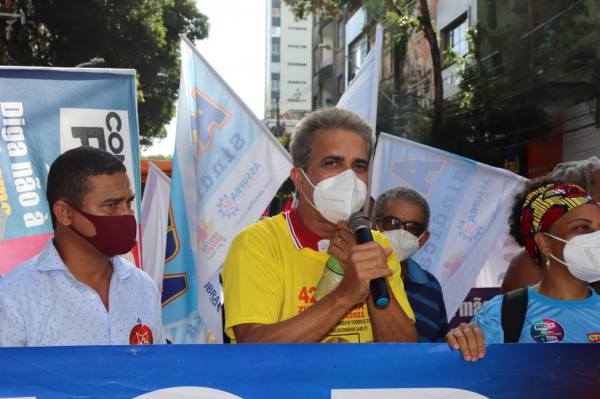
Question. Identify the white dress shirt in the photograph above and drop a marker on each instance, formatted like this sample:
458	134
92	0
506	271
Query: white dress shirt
42	304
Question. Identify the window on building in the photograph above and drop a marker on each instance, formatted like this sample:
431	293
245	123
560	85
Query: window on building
275	85
340	33
275	49
276	12
275	95
340	86
358	52
275	67
455	36
276	32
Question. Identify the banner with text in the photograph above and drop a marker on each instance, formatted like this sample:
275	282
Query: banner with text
469	202
45	112
395	371
227	168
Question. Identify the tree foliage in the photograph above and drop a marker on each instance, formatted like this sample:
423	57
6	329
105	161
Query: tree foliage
132	34
523	63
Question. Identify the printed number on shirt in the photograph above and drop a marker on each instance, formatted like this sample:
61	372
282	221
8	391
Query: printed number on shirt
304	295
308	297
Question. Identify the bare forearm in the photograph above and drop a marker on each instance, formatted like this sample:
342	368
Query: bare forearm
390	323
308	327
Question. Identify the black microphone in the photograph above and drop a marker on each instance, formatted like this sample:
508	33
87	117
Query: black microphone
360	226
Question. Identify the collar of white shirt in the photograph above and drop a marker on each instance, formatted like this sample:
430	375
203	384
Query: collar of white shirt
49	260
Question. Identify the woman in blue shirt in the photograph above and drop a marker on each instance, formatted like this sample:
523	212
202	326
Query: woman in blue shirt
559	225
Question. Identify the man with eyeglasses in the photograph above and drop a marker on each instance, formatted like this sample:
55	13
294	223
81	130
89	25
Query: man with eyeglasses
402	215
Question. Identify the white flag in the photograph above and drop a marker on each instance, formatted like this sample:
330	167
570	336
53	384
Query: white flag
155	217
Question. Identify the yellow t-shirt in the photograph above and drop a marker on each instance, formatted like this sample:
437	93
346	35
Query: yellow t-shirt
269	277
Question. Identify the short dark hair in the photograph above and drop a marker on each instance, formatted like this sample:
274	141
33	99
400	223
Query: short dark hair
70	172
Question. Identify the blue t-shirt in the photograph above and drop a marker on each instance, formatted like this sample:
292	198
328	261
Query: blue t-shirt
547	320
427	302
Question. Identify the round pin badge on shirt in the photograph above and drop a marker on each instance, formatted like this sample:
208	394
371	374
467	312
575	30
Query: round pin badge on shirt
547	331
140	335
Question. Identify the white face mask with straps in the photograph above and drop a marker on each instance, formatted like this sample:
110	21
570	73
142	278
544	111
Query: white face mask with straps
404	243
582	256
339	196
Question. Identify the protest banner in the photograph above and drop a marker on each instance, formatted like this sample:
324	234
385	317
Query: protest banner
227	168
348	371
469	202
45	112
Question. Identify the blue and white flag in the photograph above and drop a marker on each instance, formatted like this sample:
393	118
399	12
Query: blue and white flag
45	112
469	202
227	168
362	92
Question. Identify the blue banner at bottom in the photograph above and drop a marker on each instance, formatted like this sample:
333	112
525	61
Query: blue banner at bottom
345	371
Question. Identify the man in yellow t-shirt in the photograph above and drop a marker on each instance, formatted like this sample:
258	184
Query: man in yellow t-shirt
273	267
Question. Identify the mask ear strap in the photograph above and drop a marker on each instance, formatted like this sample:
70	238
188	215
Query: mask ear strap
313	205
558	260
556	238
307	179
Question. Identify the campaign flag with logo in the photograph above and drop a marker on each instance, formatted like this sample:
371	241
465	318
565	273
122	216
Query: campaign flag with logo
227	168
155	217
470	203
45	112
361	95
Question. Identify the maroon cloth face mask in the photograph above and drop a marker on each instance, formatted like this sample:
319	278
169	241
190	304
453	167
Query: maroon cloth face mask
115	235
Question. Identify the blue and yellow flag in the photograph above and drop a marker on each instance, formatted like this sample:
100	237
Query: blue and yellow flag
226	169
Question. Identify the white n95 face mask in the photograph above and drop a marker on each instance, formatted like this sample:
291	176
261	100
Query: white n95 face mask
338	197
404	243
582	256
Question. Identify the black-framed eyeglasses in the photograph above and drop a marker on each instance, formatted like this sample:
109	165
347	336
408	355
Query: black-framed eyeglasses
393	223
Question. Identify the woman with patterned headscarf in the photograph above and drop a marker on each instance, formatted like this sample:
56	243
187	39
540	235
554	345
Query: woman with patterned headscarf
522	270
559	225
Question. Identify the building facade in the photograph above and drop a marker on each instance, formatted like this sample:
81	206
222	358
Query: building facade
289	62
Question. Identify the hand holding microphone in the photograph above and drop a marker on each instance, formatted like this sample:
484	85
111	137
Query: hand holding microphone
365	264
360	225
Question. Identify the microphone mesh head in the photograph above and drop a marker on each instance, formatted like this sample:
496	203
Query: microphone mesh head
358	220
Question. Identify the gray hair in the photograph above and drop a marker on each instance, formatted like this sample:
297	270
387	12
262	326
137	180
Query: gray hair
407	194
302	145
577	172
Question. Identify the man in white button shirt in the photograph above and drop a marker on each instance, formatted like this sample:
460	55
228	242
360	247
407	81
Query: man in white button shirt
77	291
